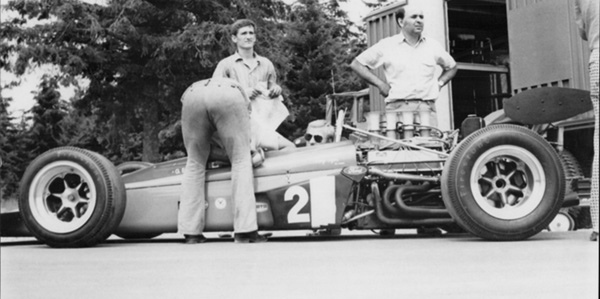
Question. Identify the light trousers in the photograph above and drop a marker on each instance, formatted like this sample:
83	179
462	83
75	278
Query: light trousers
216	106
594	95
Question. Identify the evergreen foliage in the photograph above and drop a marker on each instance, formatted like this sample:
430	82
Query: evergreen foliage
322	46
13	158
139	57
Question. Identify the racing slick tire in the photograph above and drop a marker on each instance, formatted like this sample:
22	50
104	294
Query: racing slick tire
579	214
129	167
570	164
71	197
503	183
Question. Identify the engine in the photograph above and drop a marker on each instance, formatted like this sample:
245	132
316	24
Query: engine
397	182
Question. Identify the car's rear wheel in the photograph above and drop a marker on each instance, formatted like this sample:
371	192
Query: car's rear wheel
71	197
503	182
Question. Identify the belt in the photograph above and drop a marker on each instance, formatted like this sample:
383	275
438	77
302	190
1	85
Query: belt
412	100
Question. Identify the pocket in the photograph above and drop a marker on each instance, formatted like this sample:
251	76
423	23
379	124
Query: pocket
426	67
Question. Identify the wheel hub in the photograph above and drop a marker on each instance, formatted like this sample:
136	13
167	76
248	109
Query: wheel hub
62	197
507	182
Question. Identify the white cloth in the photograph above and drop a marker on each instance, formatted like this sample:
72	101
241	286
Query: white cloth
266	116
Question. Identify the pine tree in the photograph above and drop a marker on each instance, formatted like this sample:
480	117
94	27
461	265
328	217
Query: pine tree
322	44
138	55
13	157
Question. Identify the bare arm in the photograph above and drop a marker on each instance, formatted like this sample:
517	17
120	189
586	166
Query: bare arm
448	74
579	20
366	74
274	88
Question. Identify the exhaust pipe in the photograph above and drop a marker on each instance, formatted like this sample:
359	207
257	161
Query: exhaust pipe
403	210
401	222
418	212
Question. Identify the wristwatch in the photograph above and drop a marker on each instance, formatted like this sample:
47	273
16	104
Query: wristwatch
441	83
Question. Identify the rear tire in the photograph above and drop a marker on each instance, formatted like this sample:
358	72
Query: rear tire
503	182
580	214
71	197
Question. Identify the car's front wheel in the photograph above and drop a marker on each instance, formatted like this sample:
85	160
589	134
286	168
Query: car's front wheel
71	197
503	182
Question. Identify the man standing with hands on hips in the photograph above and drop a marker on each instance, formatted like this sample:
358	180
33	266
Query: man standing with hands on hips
409	62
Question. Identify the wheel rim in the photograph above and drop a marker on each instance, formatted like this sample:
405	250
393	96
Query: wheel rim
508	182
561	223
62	197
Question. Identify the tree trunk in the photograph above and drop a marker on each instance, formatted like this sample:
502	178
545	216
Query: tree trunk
151	129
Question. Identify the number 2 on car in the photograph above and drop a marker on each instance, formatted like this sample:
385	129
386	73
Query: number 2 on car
321	199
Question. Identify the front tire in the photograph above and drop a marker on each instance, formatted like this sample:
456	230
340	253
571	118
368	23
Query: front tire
503	183
71	197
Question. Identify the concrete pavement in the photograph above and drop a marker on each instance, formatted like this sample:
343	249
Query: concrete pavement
290	265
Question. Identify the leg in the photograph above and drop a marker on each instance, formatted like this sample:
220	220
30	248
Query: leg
196	131
232	120
594	191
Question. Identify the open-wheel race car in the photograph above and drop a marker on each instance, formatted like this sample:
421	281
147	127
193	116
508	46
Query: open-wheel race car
499	182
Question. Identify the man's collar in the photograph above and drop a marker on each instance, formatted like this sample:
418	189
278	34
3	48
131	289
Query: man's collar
402	38
237	56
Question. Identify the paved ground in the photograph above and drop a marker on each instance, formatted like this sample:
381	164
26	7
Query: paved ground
550	265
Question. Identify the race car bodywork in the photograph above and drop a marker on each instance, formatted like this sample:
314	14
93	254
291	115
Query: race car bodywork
299	190
500	182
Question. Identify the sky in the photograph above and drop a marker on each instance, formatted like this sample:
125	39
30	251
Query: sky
23	94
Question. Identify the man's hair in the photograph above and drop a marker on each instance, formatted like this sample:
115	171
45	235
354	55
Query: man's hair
240	24
400	13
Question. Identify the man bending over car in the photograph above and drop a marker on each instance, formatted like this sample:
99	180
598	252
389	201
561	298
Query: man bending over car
217	106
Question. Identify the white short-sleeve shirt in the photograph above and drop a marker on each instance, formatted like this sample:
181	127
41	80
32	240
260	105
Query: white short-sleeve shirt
410	70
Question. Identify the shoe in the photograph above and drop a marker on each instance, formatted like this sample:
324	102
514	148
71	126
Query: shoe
594	237
249	237
194	239
387	232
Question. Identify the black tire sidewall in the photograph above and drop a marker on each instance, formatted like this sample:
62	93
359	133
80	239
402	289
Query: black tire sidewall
461	202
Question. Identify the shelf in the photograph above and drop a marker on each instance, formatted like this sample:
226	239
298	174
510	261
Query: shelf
481	67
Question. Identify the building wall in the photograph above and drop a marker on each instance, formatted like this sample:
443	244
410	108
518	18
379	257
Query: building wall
545	48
